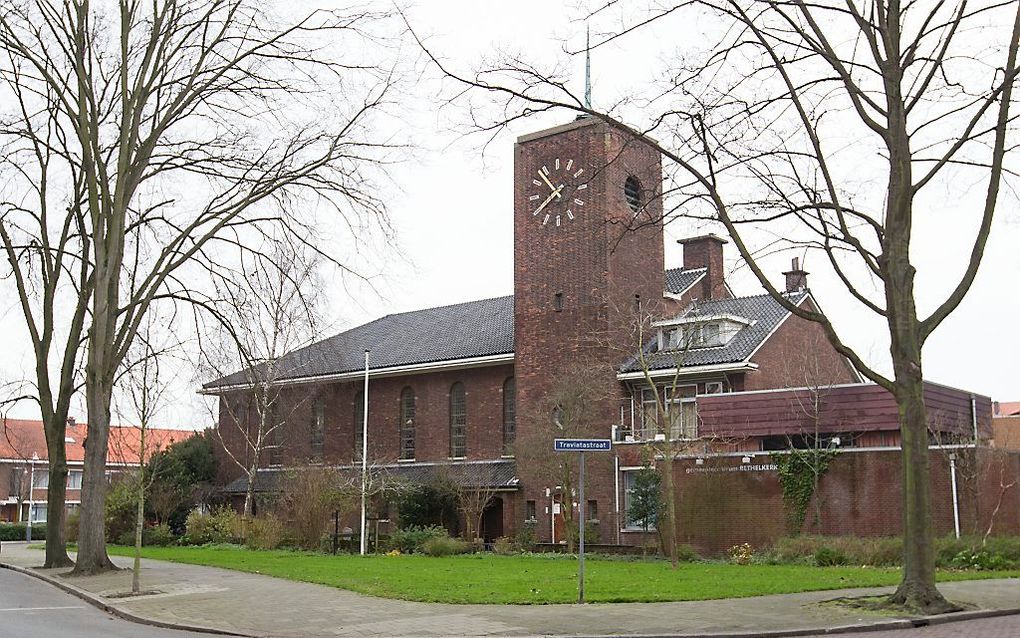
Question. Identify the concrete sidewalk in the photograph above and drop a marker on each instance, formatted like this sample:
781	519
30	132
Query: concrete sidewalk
255	605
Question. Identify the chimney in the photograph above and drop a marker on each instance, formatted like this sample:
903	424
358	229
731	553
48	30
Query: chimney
796	279
706	251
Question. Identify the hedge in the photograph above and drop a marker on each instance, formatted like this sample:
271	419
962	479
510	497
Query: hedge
16	532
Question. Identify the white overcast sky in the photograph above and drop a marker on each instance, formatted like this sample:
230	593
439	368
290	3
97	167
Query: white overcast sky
452	208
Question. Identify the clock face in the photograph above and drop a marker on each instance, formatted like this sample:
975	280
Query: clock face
557	192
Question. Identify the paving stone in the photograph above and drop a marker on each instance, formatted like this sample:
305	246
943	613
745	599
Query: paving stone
265	606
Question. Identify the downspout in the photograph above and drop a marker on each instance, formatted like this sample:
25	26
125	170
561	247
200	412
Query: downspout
973	418
616	494
956	500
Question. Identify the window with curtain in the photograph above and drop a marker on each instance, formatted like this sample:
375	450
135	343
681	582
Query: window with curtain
509	415
458	421
407	418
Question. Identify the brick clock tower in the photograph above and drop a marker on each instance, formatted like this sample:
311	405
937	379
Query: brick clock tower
588	249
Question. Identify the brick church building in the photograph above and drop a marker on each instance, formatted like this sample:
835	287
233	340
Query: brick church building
469	390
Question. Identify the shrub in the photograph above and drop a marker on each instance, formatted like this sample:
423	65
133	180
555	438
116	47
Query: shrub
72	523
310	497
444	546
686	553
411	539
876	552
525	539
219	526
16	531
158	536
121	508
265	532
829	557
741	554
504	546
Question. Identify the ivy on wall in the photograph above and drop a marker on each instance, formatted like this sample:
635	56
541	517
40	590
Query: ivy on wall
797	474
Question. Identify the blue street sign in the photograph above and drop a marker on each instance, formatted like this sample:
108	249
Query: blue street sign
582	445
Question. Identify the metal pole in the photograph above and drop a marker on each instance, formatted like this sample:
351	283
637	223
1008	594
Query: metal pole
31	494
364	462
956	502
616	495
580	545
336	531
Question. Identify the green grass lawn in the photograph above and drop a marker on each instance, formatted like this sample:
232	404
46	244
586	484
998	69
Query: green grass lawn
487	578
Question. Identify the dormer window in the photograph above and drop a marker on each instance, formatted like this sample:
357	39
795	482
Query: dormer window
699	332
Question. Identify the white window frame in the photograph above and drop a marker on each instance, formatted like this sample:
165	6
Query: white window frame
71	484
686	395
627	487
719	386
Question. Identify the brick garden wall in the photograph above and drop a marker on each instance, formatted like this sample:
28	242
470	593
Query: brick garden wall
860	495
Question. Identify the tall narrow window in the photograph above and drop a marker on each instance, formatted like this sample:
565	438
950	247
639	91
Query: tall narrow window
509	415
407	418
458	421
274	432
359	425
318	429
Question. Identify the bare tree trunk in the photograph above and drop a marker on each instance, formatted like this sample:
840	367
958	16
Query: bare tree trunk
671	531
136	568
56	515
92	557
249	494
917	590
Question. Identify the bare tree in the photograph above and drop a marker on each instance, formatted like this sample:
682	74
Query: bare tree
571	408
472	502
144	382
821	126
264	319
47	253
667	411
186	122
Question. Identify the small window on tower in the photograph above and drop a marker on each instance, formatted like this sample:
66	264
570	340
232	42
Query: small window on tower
558	302
632	193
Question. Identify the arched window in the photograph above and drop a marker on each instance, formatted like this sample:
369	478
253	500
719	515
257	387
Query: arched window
318	429
407	417
509	415
359	424
458	421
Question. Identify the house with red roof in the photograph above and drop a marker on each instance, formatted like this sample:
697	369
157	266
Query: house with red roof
24	462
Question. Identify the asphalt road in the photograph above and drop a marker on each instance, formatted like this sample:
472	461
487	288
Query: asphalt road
30	607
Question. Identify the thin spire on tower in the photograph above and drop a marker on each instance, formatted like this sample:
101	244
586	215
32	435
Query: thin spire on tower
587	66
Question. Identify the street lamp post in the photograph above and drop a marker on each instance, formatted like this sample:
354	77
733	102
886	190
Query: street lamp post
364	462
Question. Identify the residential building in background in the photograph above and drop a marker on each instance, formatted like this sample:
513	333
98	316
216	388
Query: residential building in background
24	462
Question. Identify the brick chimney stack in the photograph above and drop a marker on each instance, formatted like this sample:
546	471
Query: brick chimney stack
706	251
796	279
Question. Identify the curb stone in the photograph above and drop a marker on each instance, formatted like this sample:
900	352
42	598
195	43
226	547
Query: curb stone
887	625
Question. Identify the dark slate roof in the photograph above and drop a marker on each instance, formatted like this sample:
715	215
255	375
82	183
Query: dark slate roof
679	280
764	313
487	474
473	329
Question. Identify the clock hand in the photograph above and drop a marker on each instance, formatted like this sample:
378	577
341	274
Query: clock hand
551	187
555	193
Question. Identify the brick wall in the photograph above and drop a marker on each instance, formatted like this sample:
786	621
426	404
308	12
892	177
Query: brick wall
602	263
483	392
798	355
860	495
1007	432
